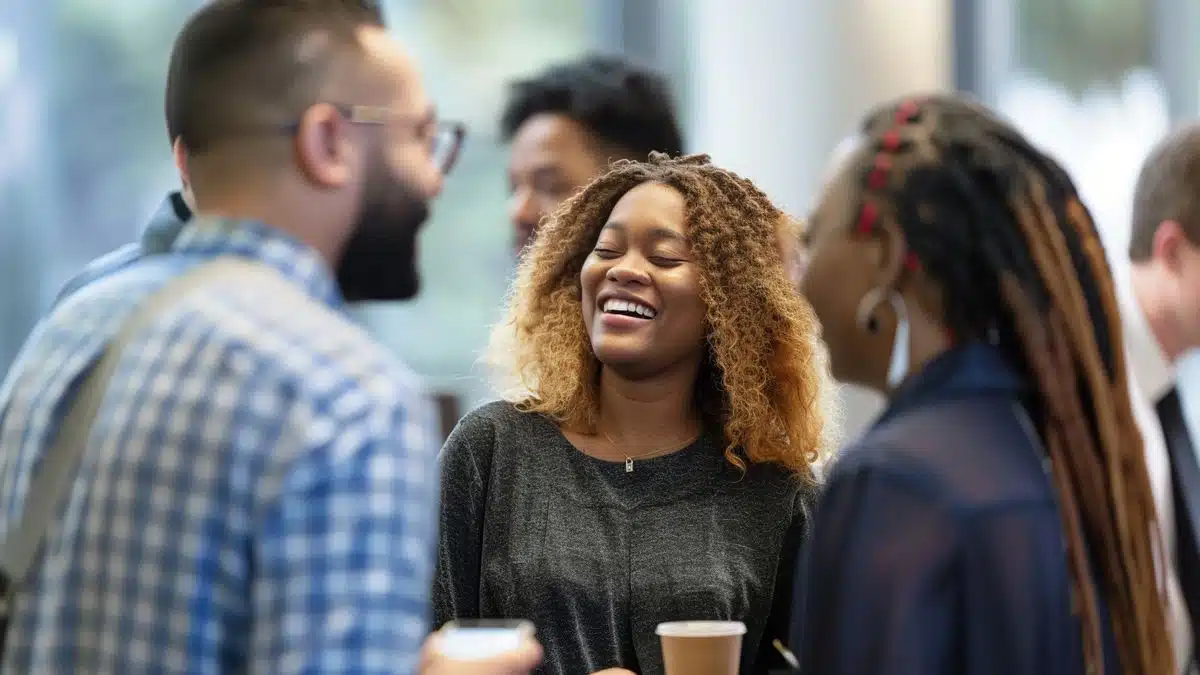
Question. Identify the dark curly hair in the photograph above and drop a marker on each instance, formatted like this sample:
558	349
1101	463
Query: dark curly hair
765	382
1001	229
622	104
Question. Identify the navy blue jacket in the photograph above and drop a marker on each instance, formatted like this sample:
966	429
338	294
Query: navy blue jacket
937	546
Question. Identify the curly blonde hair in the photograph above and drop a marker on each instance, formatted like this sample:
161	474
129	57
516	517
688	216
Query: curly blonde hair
765	380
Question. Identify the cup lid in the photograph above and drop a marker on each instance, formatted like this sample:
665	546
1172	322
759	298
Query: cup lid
701	628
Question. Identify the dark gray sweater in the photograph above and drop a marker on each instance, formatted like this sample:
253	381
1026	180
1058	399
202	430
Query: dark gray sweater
596	557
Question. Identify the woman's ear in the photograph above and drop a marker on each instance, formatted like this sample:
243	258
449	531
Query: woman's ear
899	270
893	251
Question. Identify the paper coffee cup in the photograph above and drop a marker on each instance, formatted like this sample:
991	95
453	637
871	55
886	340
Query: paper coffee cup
701	647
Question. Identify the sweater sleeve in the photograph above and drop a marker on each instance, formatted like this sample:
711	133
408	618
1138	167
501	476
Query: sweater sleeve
465	464
779	621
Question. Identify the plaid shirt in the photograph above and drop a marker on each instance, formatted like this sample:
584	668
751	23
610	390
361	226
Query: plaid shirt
259	489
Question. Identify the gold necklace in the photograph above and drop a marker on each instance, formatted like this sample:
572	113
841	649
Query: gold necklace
647	455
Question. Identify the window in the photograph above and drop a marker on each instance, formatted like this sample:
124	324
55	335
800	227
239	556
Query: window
1085	81
1095	83
85	152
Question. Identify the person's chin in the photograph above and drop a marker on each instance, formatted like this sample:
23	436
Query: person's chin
410	291
410	288
397	289
629	360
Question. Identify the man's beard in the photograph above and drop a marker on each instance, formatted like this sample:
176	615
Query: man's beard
379	262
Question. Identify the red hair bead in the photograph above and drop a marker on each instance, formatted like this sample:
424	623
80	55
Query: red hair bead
877	179
866	221
891	140
906	111
912	262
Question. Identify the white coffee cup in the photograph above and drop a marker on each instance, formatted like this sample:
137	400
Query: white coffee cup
481	639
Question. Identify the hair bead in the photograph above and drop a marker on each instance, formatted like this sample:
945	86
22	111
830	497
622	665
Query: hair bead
868	217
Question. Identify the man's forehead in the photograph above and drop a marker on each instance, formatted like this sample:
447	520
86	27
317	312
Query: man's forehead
550	144
551	133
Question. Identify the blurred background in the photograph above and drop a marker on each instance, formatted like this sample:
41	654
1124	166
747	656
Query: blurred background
768	87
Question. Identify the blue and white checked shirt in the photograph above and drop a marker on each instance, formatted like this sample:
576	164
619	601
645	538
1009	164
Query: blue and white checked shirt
258	492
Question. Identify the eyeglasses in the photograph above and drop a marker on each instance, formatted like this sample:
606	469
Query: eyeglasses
445	138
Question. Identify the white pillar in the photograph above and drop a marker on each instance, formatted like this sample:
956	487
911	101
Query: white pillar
773	85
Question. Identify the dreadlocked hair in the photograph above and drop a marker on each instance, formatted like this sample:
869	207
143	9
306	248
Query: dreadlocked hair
1001	229
765	381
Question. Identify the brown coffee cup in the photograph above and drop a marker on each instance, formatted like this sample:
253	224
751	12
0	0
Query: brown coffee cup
701	647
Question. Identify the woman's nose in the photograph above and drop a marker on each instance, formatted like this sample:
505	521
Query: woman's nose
629	270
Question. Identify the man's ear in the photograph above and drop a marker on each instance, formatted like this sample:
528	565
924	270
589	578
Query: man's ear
323	148
1166	247
179	153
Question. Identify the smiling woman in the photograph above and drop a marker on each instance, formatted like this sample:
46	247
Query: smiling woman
761	375
653	460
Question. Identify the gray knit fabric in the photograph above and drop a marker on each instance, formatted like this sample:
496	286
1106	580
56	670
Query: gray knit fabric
596	557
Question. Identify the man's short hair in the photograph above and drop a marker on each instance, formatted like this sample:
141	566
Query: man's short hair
241	67
1168	188
621	104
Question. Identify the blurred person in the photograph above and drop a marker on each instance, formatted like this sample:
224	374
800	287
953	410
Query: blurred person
1164	318
998	517
569	122
665	401
1164	246
258	491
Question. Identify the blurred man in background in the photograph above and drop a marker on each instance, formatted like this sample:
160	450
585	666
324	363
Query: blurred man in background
1162	301
569	122
1164	246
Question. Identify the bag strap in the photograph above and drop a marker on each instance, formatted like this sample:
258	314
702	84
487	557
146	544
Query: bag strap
56	474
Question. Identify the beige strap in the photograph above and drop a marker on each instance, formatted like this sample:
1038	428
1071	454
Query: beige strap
59	465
